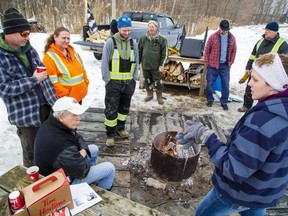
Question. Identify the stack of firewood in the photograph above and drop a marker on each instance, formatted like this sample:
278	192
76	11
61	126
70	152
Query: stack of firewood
99	37
194	72
174	72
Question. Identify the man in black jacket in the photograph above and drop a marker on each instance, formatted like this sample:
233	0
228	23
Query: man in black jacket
58	145
270	42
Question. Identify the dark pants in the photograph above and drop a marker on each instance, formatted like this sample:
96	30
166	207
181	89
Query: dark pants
248	101
27	136
152	78
117	100
212	74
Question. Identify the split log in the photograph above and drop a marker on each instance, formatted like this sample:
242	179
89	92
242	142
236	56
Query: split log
180	77
99	36
174	72
195	80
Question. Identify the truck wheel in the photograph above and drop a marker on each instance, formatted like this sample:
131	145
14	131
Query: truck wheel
98	56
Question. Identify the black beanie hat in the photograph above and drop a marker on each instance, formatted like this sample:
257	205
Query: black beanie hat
14	22
113	26
273	26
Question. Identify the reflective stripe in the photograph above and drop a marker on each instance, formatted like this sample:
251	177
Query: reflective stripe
110	123
115	73
258	44
274	49
79	60
121	76
53	78
122	117
252	57
66	78
72	81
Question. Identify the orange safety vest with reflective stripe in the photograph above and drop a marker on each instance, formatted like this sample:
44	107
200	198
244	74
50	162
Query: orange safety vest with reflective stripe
68	75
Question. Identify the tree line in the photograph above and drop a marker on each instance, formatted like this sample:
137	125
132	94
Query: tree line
194	14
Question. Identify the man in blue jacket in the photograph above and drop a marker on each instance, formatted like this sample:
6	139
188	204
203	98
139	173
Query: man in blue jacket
28	95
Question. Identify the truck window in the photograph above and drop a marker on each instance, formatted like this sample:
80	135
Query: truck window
161	22
169	22
137	17
140	17
148	17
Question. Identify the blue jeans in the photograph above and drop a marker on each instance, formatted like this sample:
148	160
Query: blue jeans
214	204
101	174
212	74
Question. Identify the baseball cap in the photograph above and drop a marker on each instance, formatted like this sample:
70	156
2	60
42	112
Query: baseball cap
224	25
69	104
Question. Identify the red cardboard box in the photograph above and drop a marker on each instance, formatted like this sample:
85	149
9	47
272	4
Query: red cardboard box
48	194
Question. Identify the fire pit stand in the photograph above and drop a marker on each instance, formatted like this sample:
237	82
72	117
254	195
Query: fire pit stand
168	166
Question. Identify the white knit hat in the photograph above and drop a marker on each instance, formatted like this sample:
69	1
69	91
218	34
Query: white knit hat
274	74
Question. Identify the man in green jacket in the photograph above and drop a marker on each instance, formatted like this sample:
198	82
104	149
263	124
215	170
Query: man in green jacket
153	53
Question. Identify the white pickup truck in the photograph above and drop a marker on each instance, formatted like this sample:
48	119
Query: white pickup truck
173	32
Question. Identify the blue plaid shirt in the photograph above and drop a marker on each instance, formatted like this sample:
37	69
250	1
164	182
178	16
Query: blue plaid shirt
18	88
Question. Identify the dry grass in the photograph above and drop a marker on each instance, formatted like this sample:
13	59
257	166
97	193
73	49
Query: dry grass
72	15
203	22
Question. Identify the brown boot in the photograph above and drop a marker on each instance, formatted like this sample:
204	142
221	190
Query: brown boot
149	95
160	98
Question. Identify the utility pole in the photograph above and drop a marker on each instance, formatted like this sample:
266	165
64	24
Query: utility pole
113	9
85	11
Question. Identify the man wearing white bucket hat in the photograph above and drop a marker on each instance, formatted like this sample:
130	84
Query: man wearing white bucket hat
58	145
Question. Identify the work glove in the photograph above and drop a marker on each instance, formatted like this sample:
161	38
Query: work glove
195	132
185	144
244	78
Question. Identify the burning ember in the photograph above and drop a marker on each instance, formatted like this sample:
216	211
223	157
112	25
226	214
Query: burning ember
173	148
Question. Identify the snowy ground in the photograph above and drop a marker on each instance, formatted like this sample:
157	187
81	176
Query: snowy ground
246	37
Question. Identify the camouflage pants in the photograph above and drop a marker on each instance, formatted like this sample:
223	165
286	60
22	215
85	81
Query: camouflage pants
152	79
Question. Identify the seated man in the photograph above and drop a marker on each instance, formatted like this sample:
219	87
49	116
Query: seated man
58	145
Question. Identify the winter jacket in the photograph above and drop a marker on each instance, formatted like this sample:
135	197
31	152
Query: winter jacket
153	52
124	49
213	48
251	169
19	89
57	146
266	47
70	80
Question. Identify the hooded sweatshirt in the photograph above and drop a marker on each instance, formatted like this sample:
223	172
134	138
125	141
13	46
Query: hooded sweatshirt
76	70
124	48
19	89
251	169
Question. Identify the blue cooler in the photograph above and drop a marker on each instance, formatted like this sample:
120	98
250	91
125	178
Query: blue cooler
217	85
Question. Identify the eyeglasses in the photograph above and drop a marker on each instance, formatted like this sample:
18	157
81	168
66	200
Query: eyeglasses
126	19
24	34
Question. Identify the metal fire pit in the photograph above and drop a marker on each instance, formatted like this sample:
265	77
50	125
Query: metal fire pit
171	167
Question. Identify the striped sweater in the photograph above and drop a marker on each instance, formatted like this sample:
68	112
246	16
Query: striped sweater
251	169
